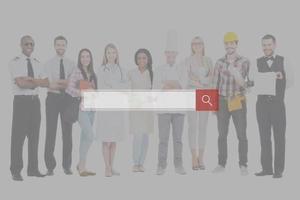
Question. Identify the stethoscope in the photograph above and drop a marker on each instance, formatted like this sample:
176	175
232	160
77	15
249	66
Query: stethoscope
107	69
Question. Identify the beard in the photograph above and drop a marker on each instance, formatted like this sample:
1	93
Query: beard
230	51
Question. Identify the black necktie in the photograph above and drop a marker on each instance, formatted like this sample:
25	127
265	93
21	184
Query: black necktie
270	58
29	68
62	70
61	73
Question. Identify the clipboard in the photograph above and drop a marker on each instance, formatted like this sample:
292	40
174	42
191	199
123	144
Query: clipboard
84	85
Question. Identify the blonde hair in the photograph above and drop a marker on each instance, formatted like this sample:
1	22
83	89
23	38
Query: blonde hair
105	60
201	41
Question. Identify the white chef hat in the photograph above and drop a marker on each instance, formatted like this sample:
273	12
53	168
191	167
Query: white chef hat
172	43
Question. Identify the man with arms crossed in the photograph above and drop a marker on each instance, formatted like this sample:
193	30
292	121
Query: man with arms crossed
58	70
170	76
26	78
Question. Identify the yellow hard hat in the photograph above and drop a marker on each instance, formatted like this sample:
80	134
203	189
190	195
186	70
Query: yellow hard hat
230	37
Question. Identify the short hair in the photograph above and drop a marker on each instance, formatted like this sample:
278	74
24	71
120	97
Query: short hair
26	37
60	37
269	36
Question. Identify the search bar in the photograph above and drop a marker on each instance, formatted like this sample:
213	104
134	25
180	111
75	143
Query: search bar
146	100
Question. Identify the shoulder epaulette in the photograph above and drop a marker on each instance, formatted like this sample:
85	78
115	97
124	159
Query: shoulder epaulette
36	60
16	58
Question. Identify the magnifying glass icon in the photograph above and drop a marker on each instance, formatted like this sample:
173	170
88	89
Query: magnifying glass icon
206	99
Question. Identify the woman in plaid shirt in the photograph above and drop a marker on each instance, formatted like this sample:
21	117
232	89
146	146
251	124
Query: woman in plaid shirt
84	75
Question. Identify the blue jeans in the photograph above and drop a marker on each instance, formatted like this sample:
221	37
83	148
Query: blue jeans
86	120
140	147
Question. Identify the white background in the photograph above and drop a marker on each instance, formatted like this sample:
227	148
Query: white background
132	25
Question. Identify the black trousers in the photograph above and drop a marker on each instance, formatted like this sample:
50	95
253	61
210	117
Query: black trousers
270	112
25	123
55	105
239	118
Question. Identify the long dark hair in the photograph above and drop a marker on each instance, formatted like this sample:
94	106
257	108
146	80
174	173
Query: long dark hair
149	63
90	67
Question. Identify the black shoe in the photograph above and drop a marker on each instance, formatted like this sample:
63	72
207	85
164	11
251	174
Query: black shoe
17	177
263	173
36	174
68	171
277	175
50	173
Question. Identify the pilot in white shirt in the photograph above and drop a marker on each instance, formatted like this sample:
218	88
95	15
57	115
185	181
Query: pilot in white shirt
26	78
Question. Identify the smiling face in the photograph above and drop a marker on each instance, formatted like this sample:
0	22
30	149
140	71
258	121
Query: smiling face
111	55
142	60
268	46
231	47
85	59
171	57
27	45
197	46
60	47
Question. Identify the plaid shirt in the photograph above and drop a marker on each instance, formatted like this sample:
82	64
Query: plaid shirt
73	85
224	80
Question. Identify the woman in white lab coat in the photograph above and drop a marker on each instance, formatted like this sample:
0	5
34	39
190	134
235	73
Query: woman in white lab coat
141	122
111	125
199	69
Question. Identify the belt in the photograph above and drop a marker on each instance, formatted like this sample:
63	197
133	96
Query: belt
27	96
243	97
267	97
55	94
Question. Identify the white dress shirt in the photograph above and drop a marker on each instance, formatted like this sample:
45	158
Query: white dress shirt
18	68
52	70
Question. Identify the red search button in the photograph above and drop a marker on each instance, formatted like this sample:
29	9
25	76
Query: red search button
207	100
